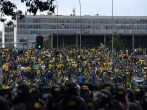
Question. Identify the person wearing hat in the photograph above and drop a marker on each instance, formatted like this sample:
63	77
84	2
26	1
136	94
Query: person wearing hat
133	105
72	99
144	105
23	99
139	94
4	104
87	95
53	101
103	100
108	86
120	96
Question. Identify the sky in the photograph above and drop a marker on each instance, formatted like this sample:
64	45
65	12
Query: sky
93	7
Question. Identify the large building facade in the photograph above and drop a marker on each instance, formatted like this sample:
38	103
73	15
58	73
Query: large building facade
81	31
7	36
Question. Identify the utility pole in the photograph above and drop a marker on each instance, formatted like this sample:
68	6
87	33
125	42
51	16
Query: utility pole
80	23
112	39
57	24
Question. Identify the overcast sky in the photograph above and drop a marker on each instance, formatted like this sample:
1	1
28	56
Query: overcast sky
101	7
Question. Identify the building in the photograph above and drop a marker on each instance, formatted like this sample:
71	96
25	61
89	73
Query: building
81	31
7	36
0	38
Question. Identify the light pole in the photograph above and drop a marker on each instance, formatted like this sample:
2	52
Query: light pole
133	30
57	23
112	36
63	26
80	22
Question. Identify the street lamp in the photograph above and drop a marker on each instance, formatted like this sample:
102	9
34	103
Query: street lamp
57	22
112	37
63	26
80	22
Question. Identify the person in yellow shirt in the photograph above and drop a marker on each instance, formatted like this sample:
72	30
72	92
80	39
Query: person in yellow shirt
50	66
28	69
7	68
38	72
39	60
3	67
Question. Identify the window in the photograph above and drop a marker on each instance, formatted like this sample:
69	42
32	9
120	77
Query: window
142	21
145	21
68	21
116	21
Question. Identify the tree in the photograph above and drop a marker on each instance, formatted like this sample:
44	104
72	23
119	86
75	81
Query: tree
24	42
118	43
7	8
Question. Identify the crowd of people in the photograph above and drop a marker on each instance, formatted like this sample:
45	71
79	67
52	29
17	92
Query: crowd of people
67	72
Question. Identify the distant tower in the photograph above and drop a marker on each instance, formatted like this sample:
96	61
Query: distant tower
74	11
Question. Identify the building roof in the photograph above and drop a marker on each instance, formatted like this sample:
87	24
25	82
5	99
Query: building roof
85	16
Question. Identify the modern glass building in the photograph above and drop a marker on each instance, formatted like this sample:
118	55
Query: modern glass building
84	31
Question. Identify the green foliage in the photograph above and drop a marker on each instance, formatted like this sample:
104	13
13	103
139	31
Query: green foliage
7	8
118	43
35	5
24	42
71	46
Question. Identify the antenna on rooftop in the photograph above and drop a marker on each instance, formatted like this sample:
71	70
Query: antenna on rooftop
25	12
74	11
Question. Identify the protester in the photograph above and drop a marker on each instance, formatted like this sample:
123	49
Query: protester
92	66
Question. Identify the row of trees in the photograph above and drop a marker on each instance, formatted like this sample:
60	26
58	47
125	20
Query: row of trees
118	42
